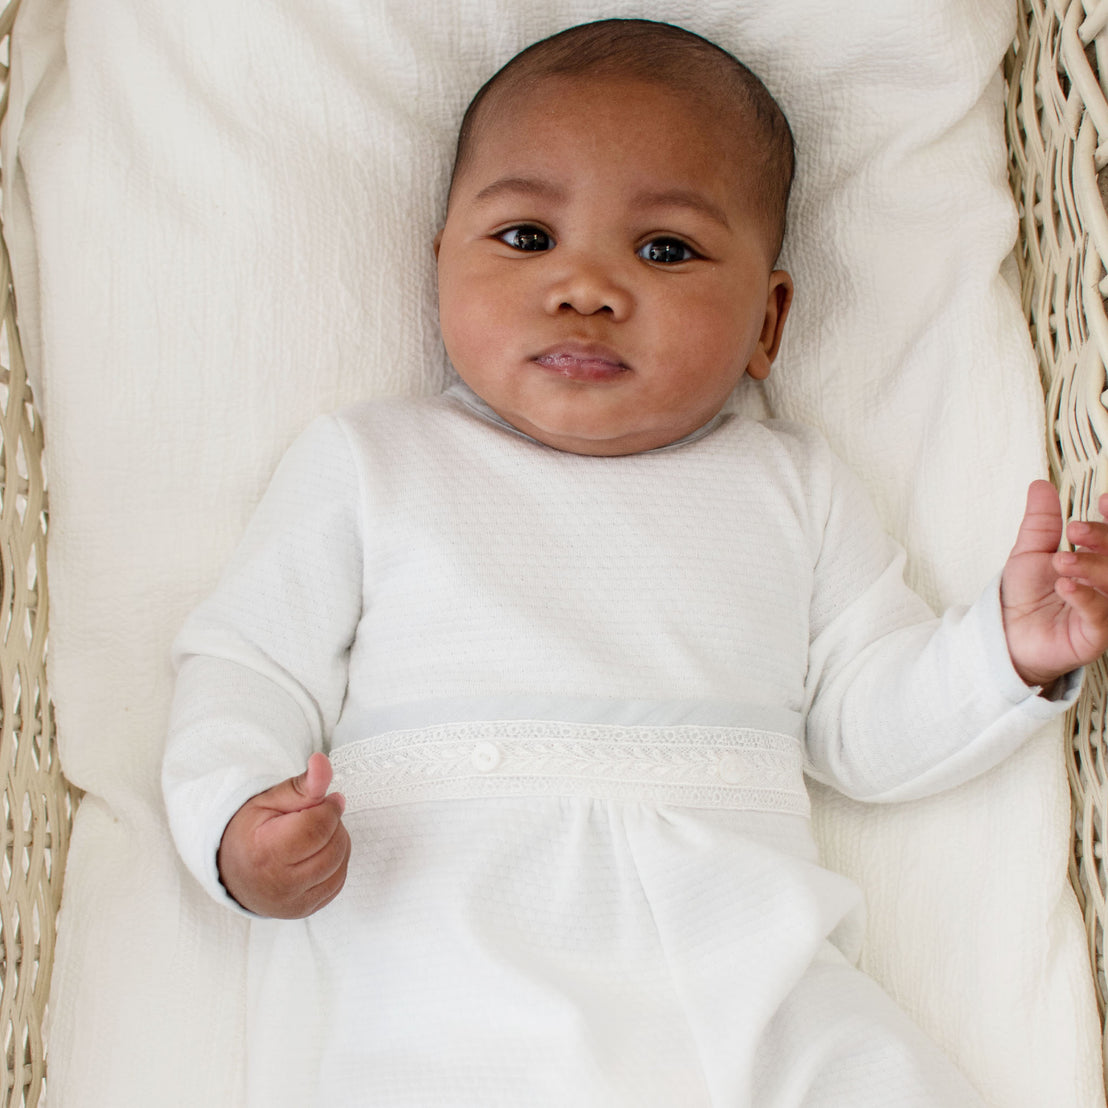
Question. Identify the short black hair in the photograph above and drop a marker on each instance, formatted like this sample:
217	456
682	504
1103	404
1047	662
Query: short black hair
663	54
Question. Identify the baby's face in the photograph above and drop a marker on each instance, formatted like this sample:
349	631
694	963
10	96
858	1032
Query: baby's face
602	283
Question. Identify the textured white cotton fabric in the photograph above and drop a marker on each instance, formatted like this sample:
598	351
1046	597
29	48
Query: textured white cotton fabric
550	953
220	215
636	945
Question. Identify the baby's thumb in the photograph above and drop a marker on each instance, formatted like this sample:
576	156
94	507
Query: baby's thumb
1041	529
305	791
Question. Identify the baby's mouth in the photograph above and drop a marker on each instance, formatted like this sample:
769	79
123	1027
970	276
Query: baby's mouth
583	363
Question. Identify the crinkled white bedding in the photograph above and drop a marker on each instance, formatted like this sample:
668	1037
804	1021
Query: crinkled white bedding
221	220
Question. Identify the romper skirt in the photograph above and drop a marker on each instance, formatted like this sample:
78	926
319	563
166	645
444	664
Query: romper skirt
561	915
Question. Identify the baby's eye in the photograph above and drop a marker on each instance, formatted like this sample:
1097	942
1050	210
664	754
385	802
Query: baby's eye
666	251
526	238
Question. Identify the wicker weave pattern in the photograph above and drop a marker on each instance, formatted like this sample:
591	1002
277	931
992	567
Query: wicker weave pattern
1058	137
37	806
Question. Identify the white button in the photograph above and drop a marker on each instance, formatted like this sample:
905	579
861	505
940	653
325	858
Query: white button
486	757
731	769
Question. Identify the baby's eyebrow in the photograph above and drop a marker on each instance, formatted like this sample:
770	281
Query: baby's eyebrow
525	186
683	198
541	189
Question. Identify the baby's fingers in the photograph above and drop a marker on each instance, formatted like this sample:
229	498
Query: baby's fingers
1089	637
297	836
315	853
1089	534
1083	568
324	874
323	862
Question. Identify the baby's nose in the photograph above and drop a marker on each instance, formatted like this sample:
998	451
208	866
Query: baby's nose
587	286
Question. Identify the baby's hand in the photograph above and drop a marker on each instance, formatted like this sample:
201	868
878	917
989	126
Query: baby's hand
285	851
1055	605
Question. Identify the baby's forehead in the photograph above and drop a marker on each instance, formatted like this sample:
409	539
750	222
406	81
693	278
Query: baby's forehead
695	93
553	102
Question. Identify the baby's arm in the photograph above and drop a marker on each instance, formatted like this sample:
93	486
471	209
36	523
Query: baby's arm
1055	605
902	705
263	665
285	852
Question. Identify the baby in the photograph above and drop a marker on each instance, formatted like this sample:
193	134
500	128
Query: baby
571	634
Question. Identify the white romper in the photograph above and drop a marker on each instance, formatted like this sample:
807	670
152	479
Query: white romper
570	702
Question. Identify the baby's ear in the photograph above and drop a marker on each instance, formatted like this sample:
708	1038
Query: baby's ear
778	302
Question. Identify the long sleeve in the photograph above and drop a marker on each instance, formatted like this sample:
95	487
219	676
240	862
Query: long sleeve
262	663
901	704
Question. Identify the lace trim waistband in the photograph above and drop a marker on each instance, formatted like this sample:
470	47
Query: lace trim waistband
688	765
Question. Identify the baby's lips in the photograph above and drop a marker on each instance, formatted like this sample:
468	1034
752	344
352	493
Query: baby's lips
578	350
583	364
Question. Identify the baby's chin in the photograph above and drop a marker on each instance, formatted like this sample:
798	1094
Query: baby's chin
603	441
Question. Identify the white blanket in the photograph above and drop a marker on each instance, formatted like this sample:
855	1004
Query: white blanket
221	220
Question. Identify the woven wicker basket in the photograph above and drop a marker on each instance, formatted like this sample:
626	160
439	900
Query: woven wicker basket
38	805
1058	136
